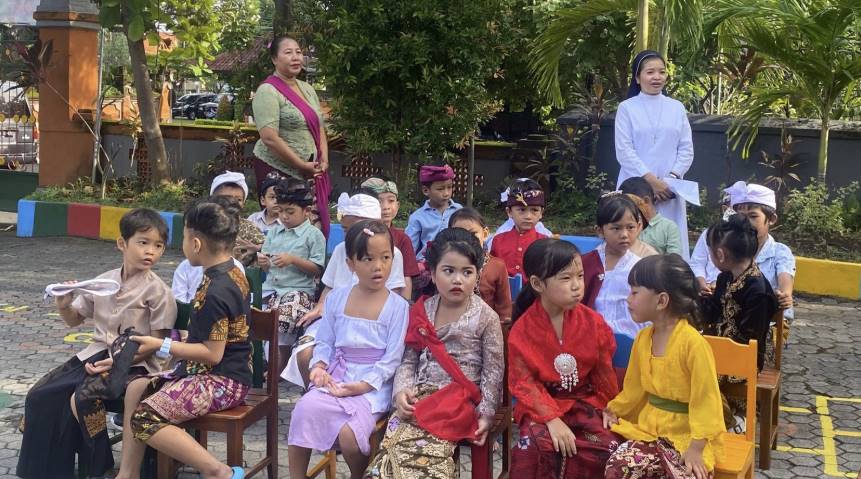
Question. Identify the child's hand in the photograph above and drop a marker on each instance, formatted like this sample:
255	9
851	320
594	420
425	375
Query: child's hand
99	367
342	390
312	315
484	423
693	459
282	260
563	438
784	299
148	344
319	377
609	418
65	301
263	261
706	289
404	401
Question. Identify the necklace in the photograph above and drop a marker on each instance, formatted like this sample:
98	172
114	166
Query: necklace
656	125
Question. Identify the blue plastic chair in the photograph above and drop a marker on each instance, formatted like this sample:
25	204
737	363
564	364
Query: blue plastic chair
336	236
515	284
623	350
583	243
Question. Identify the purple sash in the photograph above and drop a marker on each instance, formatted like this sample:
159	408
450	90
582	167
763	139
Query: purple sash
352	355
322	183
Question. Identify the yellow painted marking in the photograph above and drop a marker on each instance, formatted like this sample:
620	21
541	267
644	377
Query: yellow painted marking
847	433
800	450
12	309
795	410
85	338
55	315
854	400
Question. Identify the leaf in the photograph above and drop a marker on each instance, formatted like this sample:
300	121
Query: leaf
136	28
152	38
109	15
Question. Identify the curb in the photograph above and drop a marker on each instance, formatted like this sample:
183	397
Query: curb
828	278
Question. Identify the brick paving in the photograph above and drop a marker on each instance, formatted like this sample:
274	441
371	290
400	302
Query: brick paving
820	433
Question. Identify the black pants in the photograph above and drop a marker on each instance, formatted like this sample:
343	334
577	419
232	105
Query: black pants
52	436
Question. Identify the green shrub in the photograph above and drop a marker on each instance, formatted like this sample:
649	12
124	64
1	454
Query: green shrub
809	212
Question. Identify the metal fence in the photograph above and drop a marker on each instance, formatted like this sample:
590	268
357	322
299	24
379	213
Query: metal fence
19	146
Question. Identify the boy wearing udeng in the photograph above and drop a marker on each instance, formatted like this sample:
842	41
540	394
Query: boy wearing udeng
425	222
53	431
525	206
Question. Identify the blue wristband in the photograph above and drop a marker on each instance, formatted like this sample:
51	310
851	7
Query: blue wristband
164	351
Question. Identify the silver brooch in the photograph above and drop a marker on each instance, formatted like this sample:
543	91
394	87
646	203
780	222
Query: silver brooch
566	365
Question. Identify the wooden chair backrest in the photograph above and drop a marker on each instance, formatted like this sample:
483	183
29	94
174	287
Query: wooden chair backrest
264	327
778	338
739	360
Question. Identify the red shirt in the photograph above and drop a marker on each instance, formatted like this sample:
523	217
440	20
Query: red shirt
532	348
593	277
510	246
494	288
403	243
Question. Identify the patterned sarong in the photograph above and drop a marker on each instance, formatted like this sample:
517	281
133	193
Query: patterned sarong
646	460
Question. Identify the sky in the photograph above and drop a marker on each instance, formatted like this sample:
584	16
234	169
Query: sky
18	11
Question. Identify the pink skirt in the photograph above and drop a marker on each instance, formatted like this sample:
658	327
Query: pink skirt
318	418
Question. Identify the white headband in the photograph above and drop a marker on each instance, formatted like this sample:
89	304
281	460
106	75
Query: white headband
741	192
229	177
361	205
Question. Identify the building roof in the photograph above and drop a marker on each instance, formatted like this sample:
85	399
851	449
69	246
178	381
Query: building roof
239	59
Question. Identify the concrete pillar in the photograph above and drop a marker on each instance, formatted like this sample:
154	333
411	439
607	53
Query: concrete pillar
65	145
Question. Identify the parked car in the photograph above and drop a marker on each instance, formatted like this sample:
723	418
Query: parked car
210	108
17	146
186	105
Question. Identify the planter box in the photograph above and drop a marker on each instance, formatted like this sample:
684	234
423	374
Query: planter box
831	278
109	223
15	185
84	220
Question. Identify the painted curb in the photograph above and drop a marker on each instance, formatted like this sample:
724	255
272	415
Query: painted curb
26	218
109	224
830	278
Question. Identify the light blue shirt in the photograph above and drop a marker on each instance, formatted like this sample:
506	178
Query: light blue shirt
386	333
304	241
425	223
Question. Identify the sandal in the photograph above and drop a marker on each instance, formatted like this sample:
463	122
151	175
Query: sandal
238	473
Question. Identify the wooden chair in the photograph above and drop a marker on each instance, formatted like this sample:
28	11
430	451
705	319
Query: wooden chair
259	404
768	396
738	360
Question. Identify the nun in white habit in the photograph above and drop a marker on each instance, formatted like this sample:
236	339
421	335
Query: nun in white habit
653	138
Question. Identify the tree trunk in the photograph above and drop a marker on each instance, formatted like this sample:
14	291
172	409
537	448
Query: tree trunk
642	25
664	40
822	163
157	155
282	21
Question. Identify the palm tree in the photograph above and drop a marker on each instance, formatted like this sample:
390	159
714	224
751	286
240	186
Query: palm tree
681	20
813	47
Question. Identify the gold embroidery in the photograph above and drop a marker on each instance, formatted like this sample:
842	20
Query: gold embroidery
238	330
241	281
729	326
219	330
95	422
200	294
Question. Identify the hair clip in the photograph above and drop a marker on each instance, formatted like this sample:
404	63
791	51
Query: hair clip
368	232
611	193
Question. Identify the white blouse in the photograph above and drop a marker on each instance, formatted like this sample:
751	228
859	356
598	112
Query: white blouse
612	299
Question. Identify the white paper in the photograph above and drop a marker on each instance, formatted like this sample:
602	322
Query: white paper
98	287
687	190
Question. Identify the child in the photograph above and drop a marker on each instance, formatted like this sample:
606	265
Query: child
775	260
187	278
213	373
360	342
743	302
606	268
661	233
669	410
293	255
267	217
437	184
249	239
386	192
493	278
525	207
700	261
53	431
458	369
351	210
560	370
508	225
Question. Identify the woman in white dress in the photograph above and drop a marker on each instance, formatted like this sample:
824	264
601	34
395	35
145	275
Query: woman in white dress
653	138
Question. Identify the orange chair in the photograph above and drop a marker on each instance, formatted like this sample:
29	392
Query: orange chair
259	404
734	359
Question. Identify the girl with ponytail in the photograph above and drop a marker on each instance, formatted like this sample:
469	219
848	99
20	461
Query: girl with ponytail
669	410
560	369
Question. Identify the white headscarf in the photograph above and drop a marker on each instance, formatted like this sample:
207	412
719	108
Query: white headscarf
229	177
361	205
741	192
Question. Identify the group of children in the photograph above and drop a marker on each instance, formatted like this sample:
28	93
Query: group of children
350	336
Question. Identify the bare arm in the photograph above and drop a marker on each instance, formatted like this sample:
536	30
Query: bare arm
276	144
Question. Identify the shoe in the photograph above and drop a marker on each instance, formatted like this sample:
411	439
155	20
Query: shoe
238	473
115	422
740	425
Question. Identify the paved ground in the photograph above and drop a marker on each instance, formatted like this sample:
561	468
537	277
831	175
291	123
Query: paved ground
820	433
